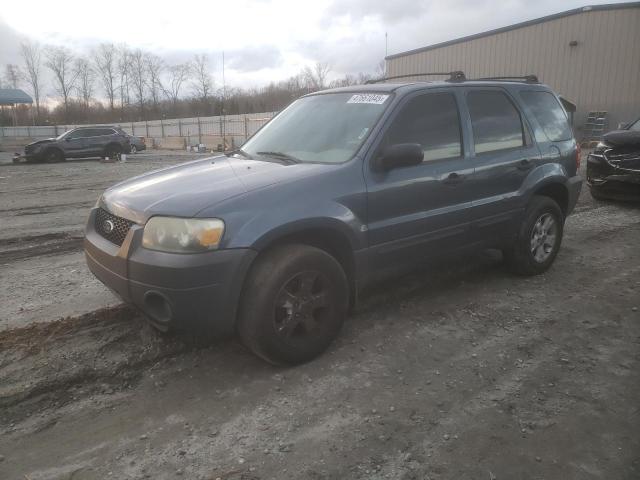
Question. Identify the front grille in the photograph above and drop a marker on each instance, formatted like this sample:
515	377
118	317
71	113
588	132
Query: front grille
120	229
629	159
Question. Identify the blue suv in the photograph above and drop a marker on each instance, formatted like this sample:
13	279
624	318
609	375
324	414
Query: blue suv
274	241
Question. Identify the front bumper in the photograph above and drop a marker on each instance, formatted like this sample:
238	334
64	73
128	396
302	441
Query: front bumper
610	181
172	290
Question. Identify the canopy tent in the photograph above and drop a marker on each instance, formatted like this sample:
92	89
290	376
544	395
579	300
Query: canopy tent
10	97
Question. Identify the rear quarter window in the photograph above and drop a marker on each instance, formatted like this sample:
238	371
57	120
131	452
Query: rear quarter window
549	114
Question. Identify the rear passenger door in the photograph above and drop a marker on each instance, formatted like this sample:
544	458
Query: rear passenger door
421	210
97	141
504	153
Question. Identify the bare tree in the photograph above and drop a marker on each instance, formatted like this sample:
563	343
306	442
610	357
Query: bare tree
155	67
316	77
60	62
138	74
105	62
381	69
86	79
123	71
177	76
203	83
12	75
32	58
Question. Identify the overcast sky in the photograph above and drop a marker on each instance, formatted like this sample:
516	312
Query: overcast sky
264	40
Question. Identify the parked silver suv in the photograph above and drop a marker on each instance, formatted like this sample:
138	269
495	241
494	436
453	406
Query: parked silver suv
80	142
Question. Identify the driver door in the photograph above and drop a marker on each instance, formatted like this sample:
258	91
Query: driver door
75	143
423	210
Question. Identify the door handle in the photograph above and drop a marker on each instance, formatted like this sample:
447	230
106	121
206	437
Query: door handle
454	179
525	164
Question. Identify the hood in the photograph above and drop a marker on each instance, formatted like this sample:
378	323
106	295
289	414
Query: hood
622	138
40	142
186	189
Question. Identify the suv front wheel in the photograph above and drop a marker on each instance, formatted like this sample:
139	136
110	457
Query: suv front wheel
539	238
294	303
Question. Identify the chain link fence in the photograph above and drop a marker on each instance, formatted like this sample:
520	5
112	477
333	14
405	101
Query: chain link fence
235	129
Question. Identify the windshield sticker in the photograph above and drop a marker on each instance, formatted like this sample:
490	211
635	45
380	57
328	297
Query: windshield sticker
372	98
364	132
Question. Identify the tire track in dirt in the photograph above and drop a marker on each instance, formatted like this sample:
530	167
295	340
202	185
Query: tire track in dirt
15	249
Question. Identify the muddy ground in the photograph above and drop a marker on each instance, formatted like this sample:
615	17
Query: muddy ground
43	209
460	371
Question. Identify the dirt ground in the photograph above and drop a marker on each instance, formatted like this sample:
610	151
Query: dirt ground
457	372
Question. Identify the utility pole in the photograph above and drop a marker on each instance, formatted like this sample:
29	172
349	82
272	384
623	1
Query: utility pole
386	44
224	98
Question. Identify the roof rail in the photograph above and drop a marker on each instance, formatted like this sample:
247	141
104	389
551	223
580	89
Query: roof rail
456	76
513	78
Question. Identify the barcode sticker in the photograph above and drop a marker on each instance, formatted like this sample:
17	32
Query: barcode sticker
373	98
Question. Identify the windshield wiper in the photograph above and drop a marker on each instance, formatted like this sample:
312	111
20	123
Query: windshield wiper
238	151
281	156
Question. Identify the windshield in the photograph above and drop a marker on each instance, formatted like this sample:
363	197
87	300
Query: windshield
326	128
60	137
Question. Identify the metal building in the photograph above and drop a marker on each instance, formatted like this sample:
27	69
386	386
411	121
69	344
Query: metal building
589	55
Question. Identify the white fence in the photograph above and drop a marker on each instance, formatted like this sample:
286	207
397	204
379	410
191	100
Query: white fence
239	127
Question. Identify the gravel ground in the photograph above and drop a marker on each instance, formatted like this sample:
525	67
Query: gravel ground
459	371
43	208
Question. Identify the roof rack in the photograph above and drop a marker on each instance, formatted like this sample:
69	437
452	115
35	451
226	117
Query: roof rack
513	78
456	76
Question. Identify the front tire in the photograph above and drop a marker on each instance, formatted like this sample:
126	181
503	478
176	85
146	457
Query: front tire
294	303
53	156
539	238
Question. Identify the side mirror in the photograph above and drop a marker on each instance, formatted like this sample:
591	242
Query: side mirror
400	155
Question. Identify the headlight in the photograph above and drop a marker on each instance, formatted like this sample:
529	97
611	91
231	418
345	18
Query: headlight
182	235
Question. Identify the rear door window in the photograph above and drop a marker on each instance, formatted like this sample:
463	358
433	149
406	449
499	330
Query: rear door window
431	120
549	114
496	121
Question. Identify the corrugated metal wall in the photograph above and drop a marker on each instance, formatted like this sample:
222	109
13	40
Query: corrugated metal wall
601	73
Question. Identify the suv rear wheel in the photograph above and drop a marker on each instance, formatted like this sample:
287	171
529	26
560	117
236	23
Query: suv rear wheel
539	238
294	303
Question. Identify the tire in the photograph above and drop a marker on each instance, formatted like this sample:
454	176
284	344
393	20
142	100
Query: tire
134	149
294	302
596	194
53	156
112	151
541	228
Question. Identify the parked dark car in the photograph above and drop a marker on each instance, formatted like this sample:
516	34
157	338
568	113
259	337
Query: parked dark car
275	240
138	144
613	168
79	142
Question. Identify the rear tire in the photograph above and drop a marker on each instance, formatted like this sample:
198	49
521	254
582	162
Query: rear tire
539	238
112	151
294	302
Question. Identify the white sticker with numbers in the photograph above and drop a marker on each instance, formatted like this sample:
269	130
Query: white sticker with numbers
373	98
